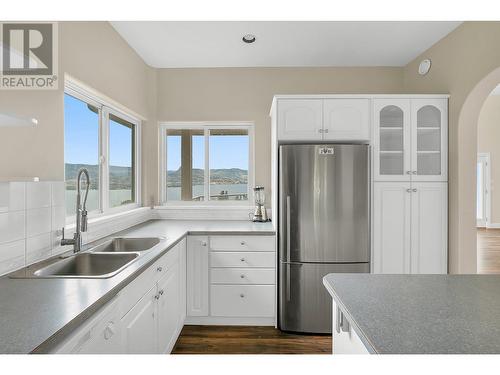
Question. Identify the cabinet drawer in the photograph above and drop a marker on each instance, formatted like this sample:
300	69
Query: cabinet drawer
242	243
243	276
242	300
242	259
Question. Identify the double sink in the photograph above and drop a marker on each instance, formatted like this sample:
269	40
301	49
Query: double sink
101	261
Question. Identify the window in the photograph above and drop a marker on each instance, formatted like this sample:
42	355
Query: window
103	140
207	163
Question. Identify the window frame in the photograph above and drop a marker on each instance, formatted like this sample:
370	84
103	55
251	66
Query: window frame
206	126
105	109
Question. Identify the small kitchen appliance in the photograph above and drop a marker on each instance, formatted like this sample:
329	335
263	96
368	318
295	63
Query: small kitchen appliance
260	213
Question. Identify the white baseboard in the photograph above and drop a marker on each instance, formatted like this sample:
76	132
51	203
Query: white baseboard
229	321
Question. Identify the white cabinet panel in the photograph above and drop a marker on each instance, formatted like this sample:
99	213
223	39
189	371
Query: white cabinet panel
391	227
242	300
429	139
300	119
391	140
168	309
140	327
346	119
242	259
429	227
242	243
197	276
243	276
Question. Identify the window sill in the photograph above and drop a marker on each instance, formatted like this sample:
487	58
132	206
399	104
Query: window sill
108	217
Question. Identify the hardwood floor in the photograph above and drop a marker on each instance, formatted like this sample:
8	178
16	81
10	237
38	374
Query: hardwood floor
248	340
488	251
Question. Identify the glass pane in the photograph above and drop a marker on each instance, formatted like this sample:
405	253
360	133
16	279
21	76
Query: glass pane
81	150
391	141
121	162
480	189
229	164
391	116
185	165
391	163
429	140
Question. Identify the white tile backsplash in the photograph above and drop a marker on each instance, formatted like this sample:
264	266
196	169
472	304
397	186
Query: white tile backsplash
11	255
32	215
38	221
38	247
12	226
38	194
12	196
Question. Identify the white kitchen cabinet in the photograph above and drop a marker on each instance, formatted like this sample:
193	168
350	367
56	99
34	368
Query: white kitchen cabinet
345	340
391	140
429	139
429	222
346	119
140	325
410	227
182	281
242	300
102	334
391	227
197	276
410	139
169	313
300	119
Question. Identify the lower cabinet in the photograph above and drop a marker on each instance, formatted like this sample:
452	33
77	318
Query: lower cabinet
410	227
345	340
169	314
139	325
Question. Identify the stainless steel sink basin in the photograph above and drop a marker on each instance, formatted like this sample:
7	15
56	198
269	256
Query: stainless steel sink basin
126	245
84	265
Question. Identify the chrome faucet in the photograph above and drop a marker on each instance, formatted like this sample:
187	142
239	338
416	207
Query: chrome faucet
81	213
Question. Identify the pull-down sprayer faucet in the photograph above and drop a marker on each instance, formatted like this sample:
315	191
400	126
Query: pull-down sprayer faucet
81	213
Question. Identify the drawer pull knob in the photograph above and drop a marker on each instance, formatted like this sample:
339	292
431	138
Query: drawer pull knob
242	276
203	243
159	269
157	296
242	295
161	292
242	243
242	259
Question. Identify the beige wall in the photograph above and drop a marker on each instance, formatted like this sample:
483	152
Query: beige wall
245	94
460	61
95	54
488	141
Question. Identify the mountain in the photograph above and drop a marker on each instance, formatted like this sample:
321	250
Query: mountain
228	176
119	177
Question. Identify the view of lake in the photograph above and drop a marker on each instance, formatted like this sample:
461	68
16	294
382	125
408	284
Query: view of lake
115	199
174	193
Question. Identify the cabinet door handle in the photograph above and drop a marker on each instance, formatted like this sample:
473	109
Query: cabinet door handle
109	331
242	295
157	297
159	269
242	259
242	276
414	172
161	292
408	190
326	130
243	243
414	190
408	172
203	243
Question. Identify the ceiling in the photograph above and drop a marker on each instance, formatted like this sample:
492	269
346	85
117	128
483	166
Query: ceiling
169	44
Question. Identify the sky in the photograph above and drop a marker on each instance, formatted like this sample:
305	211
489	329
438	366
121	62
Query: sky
81	136
229	151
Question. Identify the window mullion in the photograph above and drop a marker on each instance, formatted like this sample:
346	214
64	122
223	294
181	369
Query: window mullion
207	166
104	178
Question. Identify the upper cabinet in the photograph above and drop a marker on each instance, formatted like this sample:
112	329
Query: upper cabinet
346	119
429	139
410	139
300	119
323	119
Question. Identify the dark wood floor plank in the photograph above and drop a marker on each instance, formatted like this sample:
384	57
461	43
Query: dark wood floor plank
248	340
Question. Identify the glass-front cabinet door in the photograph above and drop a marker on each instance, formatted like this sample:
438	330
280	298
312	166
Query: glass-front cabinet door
429	139
392	159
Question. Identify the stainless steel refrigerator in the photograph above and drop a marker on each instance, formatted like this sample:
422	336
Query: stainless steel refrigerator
324	227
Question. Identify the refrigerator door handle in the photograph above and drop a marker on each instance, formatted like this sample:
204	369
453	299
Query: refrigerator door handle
287	209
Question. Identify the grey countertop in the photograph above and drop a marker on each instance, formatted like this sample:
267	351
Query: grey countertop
421	314
37	314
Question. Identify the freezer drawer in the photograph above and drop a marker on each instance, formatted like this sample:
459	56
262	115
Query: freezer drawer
304	303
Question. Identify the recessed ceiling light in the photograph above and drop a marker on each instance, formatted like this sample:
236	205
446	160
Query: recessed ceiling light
249	38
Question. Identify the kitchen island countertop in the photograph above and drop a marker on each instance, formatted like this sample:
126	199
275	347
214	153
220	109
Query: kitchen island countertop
421	314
